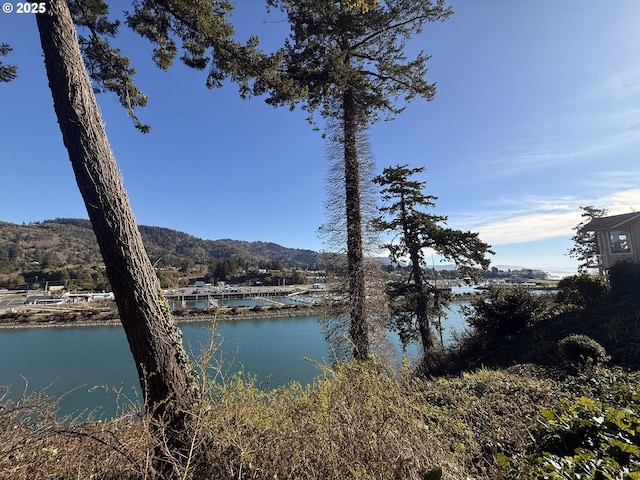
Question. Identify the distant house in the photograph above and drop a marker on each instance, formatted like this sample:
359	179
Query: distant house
618	238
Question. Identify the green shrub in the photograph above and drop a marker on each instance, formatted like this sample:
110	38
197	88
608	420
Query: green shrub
582	289
580	350
504	311
625	277
588	439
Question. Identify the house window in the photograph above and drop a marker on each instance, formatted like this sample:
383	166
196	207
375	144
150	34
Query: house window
619	242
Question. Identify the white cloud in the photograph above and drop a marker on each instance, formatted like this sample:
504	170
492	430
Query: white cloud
528	228
623	202
615	180
531	219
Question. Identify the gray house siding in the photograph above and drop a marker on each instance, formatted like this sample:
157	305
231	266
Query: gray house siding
618	238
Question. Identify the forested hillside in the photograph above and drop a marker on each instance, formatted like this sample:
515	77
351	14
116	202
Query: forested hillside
65	249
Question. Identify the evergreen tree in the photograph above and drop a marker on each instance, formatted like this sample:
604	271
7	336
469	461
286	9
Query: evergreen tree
333	232
163	368
154	340
585	244
346	59
361	4
7	72
417	299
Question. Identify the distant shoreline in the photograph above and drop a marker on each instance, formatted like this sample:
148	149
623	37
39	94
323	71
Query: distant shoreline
56	317
93	318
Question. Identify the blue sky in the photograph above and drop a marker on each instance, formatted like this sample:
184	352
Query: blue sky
537	113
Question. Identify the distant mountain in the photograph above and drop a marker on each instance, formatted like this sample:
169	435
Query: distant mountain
172	247
48	243
68	242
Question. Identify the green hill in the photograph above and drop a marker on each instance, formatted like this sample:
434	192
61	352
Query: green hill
65	248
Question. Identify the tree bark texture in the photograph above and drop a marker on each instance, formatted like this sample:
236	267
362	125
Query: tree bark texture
358	328
422	311
155	341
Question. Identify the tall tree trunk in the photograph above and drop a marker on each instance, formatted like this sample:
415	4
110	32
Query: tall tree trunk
355	258
422	309
155	341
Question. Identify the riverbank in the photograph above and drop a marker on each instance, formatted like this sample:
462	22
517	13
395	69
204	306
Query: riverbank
105	313
91	317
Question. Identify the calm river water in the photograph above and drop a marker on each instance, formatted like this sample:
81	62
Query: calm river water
74	362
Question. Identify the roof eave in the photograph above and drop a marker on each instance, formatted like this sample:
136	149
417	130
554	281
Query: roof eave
629	220
589	228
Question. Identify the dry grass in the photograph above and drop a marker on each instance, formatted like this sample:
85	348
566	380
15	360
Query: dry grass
34	444
357	421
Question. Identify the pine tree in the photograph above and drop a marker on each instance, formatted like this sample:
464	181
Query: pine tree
346	60
7	72
167	381
333	232
416	300
585	248
154	339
